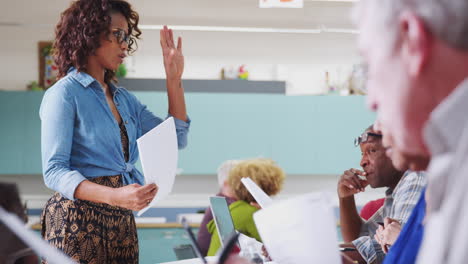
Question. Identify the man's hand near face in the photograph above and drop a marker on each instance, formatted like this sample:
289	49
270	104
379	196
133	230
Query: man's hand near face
350	183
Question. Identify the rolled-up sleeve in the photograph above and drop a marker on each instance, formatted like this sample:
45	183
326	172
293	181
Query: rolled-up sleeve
366	245
182	129
57	115
149	121
370	249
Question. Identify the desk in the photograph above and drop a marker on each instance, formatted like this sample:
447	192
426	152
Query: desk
193	261
198	261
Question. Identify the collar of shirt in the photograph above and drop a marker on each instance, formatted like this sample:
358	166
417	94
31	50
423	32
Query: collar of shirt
389	192
82	77
400	183
443	133
86	80
446	123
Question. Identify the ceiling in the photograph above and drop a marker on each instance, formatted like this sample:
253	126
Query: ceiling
224	13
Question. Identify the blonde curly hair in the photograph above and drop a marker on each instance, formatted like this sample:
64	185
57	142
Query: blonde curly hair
264	172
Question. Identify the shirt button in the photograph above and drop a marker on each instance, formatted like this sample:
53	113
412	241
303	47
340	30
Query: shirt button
126	122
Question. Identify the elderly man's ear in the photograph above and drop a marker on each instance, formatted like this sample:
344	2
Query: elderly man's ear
415	42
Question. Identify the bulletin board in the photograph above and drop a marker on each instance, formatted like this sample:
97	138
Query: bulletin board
48	71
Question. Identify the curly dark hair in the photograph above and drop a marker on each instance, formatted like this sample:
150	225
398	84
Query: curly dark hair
79	31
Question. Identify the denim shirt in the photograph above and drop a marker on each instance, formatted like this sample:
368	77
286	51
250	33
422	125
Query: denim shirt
80	137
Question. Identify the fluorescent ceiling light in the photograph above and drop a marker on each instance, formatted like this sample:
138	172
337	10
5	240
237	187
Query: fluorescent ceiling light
321	29
348	1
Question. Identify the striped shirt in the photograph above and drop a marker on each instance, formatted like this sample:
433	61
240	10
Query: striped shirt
398	205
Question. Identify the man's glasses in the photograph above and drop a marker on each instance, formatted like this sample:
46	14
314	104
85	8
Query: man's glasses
364	137
121	36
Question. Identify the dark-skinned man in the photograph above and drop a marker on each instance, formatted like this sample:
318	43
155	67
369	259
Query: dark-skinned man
403	191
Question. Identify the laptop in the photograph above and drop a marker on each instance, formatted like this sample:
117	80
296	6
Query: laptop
193	240
187	250
223	219
184	251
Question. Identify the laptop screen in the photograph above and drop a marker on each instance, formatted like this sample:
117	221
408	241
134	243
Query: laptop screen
222	218
193	240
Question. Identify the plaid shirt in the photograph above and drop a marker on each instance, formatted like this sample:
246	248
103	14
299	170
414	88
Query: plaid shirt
398	205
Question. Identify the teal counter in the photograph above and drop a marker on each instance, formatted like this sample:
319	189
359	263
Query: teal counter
304	134
156	244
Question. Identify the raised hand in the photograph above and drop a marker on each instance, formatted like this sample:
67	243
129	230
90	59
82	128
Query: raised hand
172	55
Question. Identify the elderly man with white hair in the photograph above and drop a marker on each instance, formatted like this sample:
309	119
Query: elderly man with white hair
417	56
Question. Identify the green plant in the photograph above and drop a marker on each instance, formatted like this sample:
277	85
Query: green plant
121	71
47	50
34	86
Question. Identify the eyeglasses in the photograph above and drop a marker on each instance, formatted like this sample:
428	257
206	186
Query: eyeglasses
364	137
121	36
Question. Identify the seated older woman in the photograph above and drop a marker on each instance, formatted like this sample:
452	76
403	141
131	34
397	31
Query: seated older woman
268	176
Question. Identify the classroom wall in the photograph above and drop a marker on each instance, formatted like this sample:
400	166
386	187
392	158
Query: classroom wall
305	135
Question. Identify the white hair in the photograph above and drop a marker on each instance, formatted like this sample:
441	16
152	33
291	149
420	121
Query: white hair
446	19
224	169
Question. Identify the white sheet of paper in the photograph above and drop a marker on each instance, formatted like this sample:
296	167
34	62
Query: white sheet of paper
249	245
158	155
40	247
258	194
281	4
300	230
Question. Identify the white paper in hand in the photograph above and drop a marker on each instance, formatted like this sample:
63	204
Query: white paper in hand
300	230
258	194
158	155
281	4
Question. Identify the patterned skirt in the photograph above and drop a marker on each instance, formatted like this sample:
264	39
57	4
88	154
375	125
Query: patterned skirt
91	232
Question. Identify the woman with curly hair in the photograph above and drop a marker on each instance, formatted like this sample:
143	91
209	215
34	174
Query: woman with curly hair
89	132
268	176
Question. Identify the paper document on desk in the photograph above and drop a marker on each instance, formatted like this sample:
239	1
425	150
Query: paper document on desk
258	194
300	230
158	155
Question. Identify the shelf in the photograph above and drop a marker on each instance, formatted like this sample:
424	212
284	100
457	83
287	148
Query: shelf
208	86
